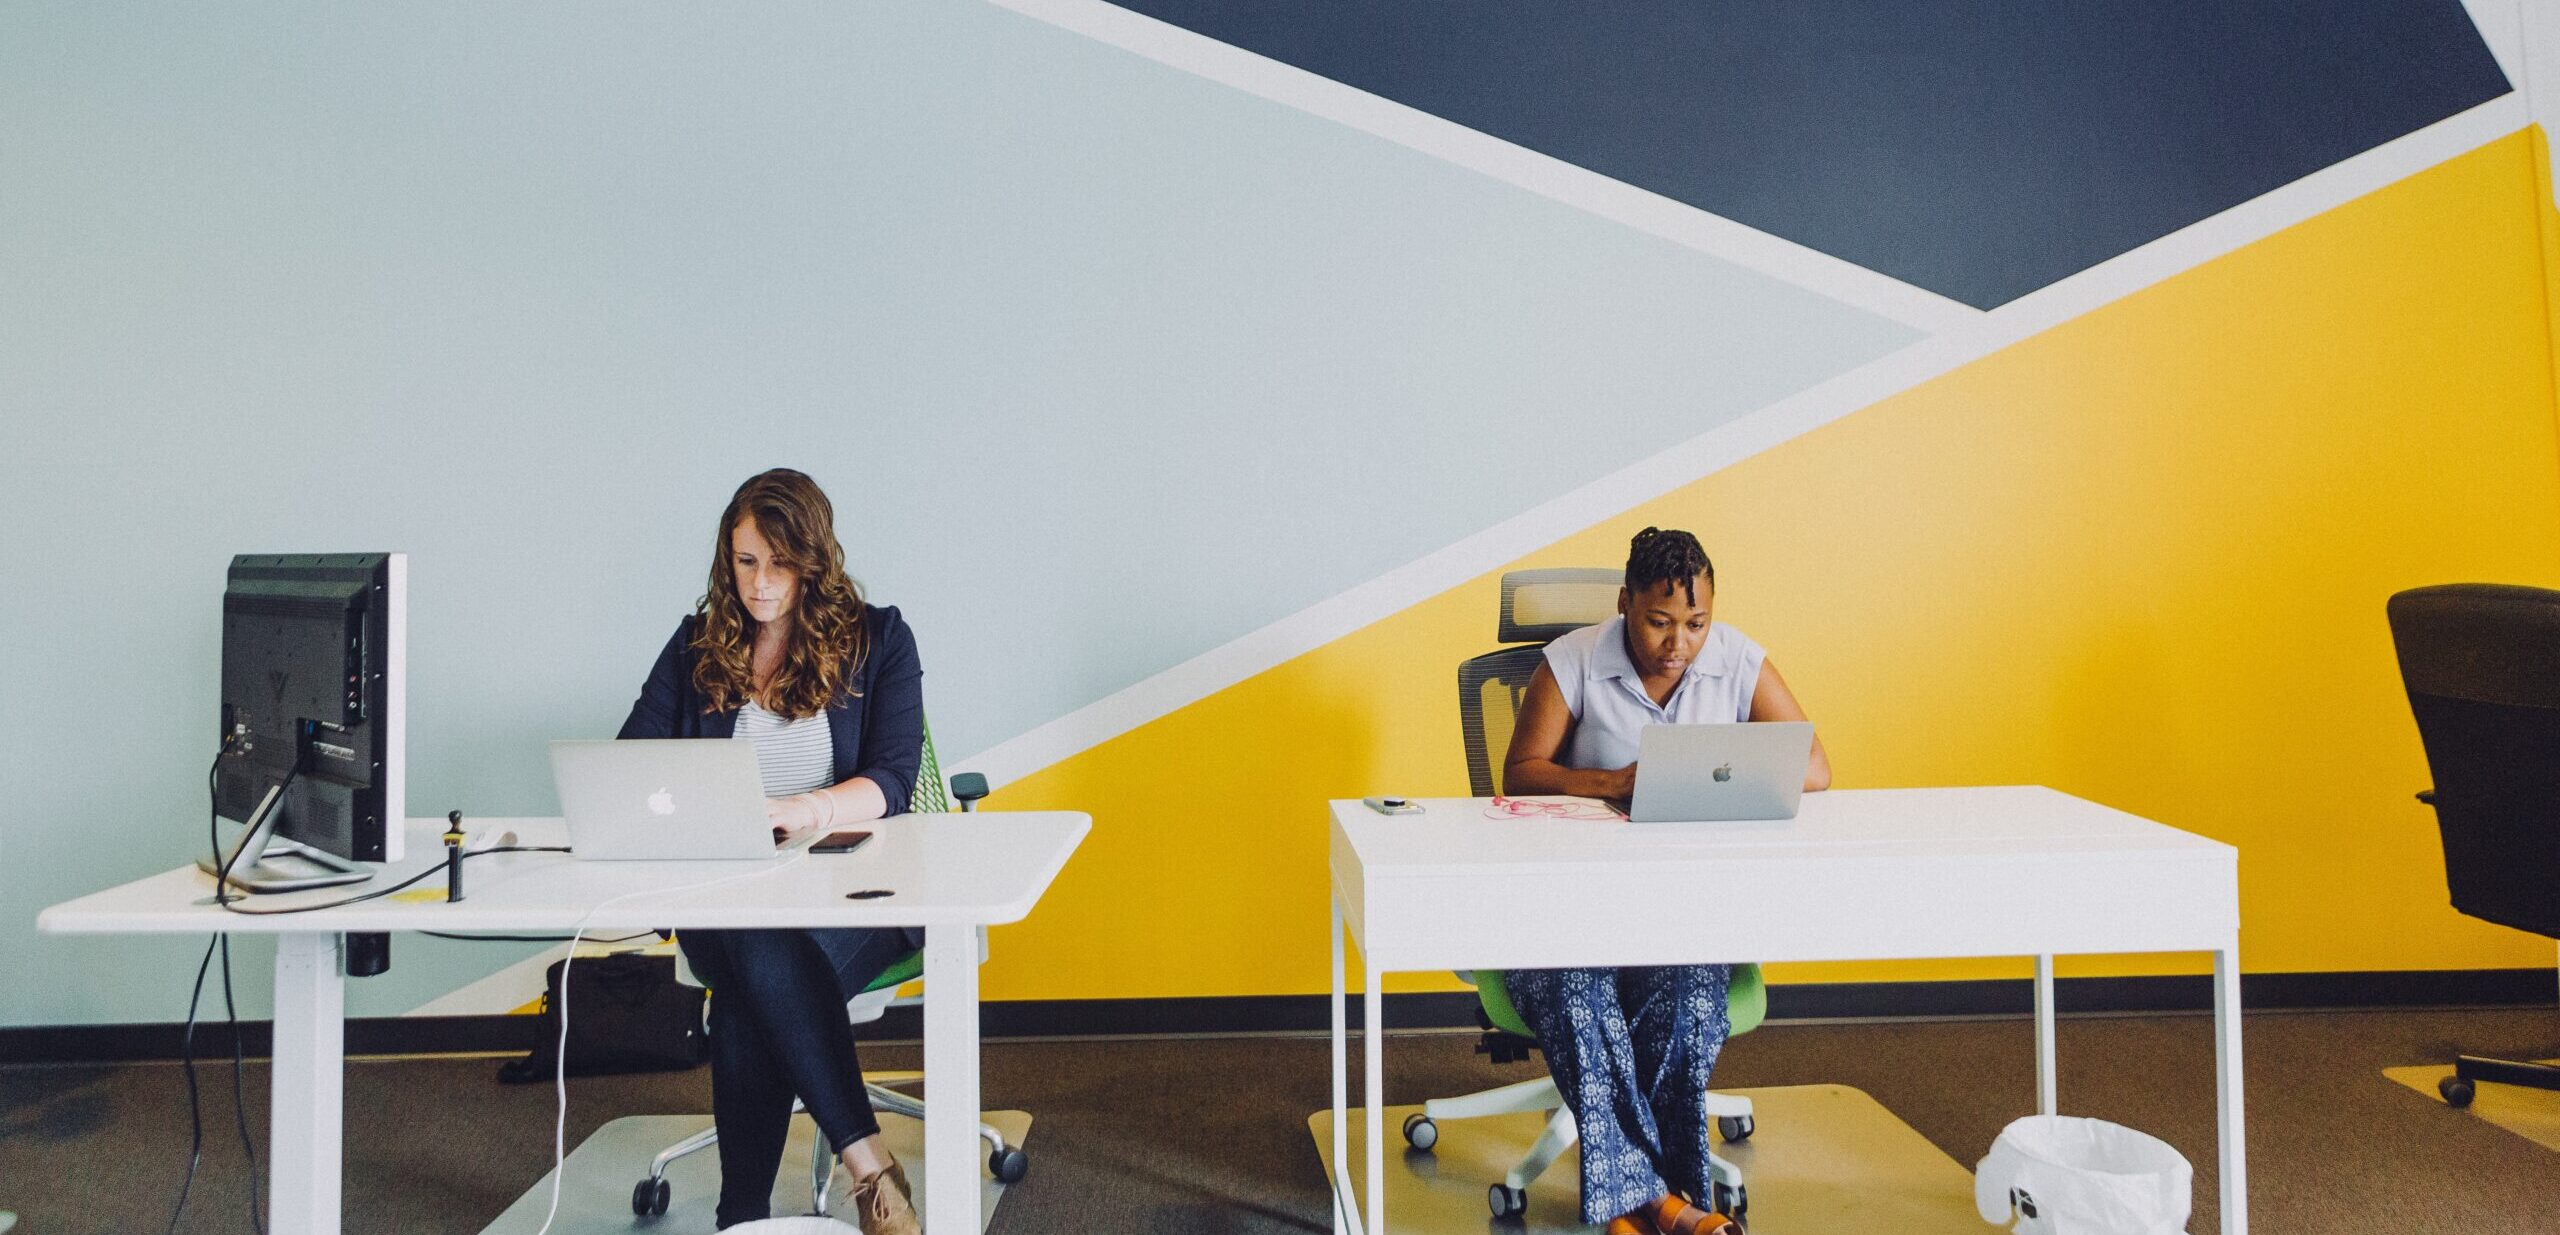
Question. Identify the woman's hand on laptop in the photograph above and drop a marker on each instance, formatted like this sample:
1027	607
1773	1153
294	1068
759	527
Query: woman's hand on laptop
791	816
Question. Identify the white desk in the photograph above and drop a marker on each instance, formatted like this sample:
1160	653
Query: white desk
1871	874
951	874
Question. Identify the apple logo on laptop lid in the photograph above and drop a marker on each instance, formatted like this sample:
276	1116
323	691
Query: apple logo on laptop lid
1723	773
662	802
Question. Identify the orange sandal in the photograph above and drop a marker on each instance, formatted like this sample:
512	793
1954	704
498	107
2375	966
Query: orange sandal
1674	1216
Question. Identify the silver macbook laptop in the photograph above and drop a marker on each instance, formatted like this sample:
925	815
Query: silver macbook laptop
1690	773
686	798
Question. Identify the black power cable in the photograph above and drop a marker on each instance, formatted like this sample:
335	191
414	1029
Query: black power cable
537	938
224	897
222	893
195	1112
195	997
239	1104
401	886
230	1006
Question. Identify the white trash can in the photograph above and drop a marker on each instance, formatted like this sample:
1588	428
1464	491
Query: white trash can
2062	1175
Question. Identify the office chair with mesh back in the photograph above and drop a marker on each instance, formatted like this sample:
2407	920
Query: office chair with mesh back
1007	1163
1538	606
2481	662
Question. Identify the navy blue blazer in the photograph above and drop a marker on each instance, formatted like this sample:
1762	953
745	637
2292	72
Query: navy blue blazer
877	724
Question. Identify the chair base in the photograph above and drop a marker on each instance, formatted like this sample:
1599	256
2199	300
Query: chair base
649	1197
1829	1160
596	1187
1732	1113
2469	1070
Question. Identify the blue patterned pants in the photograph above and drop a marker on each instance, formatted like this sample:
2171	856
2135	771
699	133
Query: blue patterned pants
1631	1050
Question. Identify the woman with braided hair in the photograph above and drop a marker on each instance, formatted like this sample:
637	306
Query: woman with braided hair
1631	1048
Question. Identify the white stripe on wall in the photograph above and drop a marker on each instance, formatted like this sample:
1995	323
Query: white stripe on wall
1648	479
1545	175
2537	71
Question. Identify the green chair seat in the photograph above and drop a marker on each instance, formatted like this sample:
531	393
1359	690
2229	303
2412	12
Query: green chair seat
906	970
929	797
1746	1002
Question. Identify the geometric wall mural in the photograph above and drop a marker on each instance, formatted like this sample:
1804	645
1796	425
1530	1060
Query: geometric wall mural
2140	557
1182	368
1980	151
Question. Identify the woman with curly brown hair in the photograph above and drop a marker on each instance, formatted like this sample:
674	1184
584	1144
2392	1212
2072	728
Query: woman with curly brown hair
783	651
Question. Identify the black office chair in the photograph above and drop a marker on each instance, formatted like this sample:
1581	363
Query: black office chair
2482	665
1538	607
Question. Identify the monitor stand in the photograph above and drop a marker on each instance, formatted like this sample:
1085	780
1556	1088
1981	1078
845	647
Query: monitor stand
264	862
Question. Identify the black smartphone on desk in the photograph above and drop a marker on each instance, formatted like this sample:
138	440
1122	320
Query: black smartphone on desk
840	842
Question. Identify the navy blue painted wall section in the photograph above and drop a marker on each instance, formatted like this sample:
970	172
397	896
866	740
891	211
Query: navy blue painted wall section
1980	149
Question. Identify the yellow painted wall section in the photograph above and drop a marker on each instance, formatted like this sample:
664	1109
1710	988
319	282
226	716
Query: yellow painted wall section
2141	557
2544	202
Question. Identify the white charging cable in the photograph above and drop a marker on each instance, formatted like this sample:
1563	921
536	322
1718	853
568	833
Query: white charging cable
560	1049
490	838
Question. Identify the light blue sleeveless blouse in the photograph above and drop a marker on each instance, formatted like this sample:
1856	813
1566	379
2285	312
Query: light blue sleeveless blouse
1606	695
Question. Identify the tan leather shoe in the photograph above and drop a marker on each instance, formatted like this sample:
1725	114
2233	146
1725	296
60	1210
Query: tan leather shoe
883	1204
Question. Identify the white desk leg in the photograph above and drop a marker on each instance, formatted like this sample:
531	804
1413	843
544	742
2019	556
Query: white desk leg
2045	1085
2226	1057
1345	1220
1373	1042
307	1102
951	1080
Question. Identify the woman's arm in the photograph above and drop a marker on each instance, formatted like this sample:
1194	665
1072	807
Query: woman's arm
892	752
856	799
653	714
1538	736
1771	700
892	748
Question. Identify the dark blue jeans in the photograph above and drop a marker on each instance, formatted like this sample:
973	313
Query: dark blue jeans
778	1029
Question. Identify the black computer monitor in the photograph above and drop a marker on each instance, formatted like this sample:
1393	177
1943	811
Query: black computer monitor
314	669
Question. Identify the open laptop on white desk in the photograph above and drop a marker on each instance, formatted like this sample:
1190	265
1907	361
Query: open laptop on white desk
668	798
1719	773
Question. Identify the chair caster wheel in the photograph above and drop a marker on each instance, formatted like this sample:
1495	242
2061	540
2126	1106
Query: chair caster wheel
1420	1132
1008	1165
2457	1091
1734	1128
1506	1201
1733	1202
649	1197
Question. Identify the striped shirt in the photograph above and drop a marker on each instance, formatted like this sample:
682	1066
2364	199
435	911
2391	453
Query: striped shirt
793	756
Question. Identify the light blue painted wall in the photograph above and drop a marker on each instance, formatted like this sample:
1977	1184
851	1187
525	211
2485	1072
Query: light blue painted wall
1103	364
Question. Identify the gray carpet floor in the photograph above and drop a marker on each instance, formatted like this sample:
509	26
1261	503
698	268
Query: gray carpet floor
1209	1136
